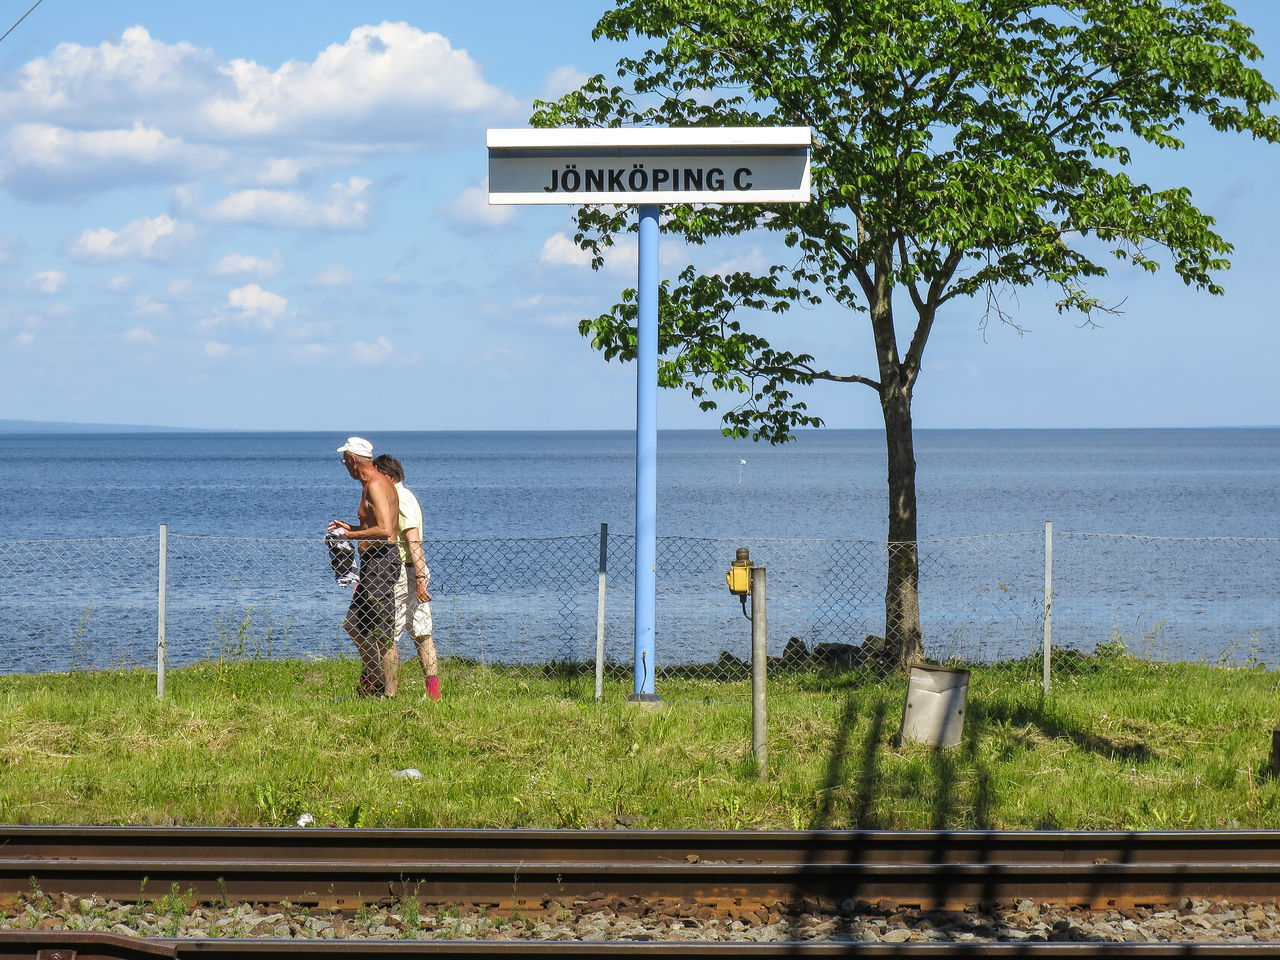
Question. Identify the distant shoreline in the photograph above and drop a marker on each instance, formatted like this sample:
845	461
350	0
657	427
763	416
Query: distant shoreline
50	427
56	426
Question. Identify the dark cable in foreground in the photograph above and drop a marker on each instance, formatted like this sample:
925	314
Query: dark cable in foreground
20	19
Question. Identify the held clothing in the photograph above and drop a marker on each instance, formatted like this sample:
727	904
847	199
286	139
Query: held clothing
342	557
373	605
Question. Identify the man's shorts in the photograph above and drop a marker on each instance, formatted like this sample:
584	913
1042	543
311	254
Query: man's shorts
409	611
373	605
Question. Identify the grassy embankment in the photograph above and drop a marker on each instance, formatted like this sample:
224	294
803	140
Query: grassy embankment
1121	743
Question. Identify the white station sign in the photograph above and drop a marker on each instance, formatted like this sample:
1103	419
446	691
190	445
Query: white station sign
650	165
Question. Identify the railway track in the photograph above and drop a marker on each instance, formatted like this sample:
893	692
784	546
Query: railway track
87	946
343	869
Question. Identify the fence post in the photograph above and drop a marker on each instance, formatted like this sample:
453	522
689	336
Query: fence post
759	668
1048	599
161	612
604	566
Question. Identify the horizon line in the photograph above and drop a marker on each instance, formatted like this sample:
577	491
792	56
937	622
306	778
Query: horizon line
27	427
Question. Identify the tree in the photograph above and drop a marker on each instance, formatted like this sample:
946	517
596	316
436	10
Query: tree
961	148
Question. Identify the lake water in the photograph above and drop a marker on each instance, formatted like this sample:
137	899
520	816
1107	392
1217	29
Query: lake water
1189	557
829	483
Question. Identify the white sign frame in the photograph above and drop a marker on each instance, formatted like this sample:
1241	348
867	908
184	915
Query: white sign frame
634	165
622	166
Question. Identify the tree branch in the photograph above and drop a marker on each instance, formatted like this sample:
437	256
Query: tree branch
845	378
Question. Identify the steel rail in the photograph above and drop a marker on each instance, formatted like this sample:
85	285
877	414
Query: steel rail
930	869
613	846
53	945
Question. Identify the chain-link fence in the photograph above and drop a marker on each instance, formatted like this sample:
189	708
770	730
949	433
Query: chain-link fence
78	604
1170	599
979	600
91	604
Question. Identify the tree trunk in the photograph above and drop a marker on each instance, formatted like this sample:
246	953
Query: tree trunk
903	642
902	633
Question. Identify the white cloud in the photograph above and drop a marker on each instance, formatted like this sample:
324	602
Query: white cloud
313	330
562	80
116	81
334	275
145	306
46	162
279	172
258	305
502	362
181	288
380	85
245	264
138	335
562	321
373	353
619	260
344	207
153	238
389	83
120	283
471	208
752	261
311	351
48	281
215	349
545	311
560	250
137	109
25	338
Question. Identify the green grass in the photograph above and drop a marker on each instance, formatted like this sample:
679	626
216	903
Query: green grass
1121	743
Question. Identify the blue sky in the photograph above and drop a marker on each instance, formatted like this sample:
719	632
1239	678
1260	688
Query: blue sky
272	216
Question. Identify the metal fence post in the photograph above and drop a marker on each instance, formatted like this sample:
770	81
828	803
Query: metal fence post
600	590
759	668
161	612
1048	599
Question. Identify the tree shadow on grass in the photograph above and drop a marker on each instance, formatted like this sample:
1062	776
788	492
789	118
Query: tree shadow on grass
958	783
959	780
856	786
842	745
1039	717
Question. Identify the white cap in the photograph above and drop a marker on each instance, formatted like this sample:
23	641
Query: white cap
357	447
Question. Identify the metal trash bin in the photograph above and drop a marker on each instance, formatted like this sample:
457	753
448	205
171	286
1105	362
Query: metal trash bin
934	711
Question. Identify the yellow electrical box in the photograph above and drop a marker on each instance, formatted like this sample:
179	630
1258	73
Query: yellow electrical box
739	575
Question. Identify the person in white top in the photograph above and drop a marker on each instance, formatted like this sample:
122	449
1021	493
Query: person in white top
413	604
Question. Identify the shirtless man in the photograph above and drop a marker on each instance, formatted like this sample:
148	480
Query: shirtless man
370	619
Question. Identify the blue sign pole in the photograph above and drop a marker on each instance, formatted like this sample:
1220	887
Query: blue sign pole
646	454
646	167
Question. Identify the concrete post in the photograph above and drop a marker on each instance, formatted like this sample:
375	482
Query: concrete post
759	668
161	612
1048	600
600	592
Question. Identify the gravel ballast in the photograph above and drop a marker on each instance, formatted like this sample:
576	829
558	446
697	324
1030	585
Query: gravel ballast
611	918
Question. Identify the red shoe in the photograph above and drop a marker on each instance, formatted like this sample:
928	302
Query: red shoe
433	688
